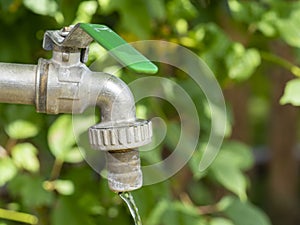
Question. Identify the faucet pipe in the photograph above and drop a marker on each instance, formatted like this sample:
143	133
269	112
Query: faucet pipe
68	88
17	83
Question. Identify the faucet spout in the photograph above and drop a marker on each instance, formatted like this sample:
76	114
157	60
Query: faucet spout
112	96
119	134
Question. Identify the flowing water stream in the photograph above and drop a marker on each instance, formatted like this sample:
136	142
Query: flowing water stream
128	199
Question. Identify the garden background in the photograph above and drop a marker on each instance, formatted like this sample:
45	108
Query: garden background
253	49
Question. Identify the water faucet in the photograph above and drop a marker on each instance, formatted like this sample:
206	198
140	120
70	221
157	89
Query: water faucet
64	84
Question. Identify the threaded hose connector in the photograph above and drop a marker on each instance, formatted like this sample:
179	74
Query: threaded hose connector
109	136
120	141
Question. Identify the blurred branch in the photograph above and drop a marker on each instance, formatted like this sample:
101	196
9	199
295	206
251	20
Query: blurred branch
202	210
3	152
10	144
294	69
57	166
18	217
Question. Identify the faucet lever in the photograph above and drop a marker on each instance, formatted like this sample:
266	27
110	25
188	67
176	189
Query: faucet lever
82	34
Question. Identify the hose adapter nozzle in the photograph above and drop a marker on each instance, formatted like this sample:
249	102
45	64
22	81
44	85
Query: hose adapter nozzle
120	141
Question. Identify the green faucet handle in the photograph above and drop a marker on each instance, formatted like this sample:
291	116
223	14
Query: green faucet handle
82	34
119	48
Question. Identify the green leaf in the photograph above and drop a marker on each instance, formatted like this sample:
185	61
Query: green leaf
25	157
156	9
181	213
236	154
107	6
242	63
174	212
233	158
181	9
85	12
267	24
214	44
60	137
8	170
68	10
215	41
68	212
200	193
42	7
289	29
220	221
129	11
64	187
242	213
247	12
157	213
75	155
266	28
146	198
291	93
231	178
21	129
195	161
30	189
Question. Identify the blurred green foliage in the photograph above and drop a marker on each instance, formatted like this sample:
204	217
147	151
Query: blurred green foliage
43	174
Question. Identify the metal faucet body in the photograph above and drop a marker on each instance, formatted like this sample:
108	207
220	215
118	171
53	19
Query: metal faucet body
64	84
